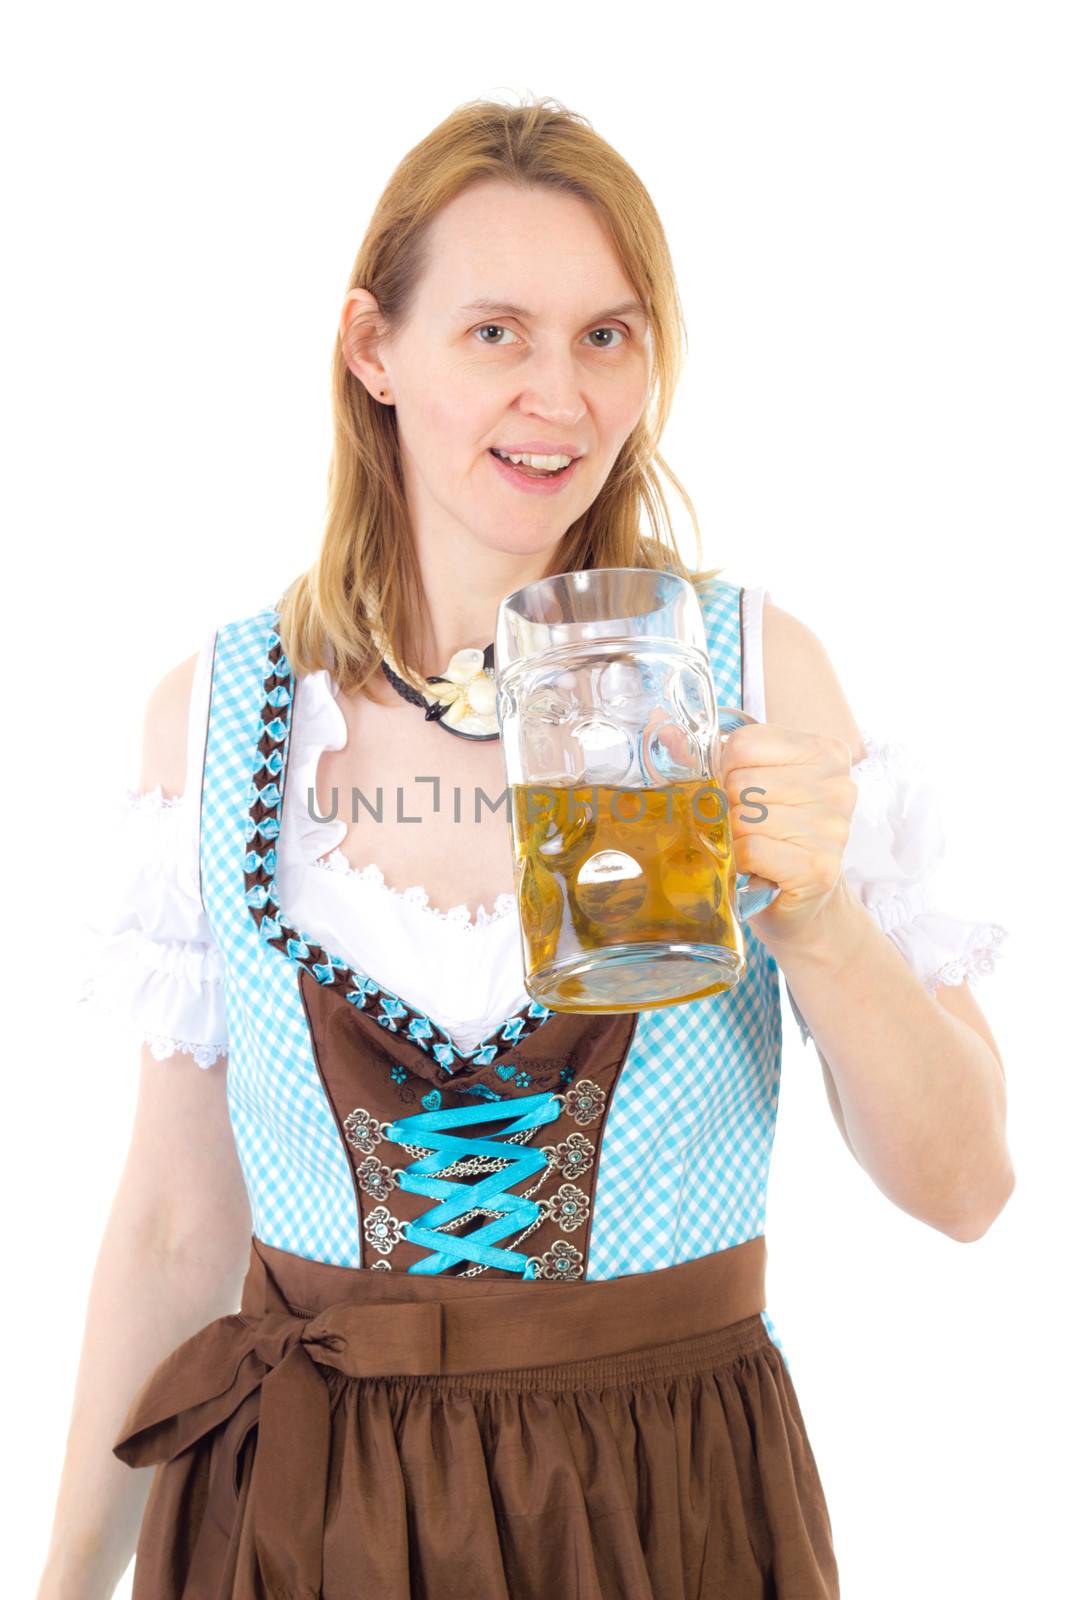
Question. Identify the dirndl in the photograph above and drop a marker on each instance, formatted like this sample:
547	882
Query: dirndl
353	1434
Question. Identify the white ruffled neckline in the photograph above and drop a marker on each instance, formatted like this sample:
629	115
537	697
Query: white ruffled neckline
459	916
318	725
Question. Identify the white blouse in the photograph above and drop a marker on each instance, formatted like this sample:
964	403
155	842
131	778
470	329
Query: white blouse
149	956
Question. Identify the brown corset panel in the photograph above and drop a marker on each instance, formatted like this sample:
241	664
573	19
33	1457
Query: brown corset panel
432	1191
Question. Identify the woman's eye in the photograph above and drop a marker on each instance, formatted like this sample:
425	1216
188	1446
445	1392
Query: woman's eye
492	327
609	330
495	327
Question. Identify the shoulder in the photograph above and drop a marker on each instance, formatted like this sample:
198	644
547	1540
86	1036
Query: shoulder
801	687
176	705
166	727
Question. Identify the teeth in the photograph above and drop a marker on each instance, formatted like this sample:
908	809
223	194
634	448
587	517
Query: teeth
545	463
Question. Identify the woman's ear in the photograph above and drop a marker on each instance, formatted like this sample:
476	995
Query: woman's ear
360	331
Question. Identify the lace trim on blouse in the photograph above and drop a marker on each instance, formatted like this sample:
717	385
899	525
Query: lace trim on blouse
983	948
151	799
459	916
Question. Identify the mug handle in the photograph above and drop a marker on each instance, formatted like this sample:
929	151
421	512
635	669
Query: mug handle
749	900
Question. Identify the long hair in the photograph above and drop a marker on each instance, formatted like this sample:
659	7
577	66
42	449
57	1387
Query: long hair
367	538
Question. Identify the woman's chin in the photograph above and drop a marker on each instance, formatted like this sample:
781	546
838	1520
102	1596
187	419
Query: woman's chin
518	542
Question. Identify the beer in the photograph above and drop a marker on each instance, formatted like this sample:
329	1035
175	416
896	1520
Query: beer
625	895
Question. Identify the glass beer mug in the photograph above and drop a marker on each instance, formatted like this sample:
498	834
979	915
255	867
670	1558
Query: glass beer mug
624	869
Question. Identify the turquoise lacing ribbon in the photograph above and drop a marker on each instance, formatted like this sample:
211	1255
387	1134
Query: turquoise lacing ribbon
431	1129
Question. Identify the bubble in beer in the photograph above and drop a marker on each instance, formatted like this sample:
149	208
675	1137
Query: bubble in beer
610	886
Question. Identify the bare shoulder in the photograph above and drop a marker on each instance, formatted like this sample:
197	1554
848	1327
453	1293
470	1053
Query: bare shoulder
801	687
164	734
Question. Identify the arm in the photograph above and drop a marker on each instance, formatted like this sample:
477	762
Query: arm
171	1259
915	1081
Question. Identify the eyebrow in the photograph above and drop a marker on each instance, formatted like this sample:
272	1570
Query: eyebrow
505	308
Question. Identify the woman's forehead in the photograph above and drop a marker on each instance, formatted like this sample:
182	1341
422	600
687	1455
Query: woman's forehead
522	248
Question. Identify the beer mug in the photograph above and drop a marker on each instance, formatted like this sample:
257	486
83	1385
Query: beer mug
625	880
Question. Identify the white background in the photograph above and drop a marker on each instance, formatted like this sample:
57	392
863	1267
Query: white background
865	209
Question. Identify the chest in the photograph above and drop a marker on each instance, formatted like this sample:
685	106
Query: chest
421	804
683	1160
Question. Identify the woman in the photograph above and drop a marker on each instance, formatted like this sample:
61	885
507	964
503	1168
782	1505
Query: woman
596	1404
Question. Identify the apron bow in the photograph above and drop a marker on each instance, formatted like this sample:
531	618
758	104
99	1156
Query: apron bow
279	1356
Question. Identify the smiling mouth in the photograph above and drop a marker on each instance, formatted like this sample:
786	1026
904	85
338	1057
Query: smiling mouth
533	472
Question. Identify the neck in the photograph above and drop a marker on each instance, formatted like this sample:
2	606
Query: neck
463	598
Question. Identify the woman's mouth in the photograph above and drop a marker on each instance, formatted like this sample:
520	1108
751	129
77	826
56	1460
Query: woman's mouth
530	479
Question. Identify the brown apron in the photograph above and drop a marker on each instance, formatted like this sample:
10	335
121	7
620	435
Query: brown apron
352	1433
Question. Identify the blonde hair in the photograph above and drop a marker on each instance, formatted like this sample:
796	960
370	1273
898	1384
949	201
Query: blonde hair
366	542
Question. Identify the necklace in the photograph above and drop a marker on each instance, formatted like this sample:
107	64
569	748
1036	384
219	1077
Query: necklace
462	699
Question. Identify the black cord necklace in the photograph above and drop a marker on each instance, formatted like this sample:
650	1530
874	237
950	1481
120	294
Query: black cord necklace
454	702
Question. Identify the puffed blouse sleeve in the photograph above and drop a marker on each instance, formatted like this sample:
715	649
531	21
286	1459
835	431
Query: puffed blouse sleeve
891	861
148	955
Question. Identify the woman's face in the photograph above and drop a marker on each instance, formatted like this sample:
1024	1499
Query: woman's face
525	332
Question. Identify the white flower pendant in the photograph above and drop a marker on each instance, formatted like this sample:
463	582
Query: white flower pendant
468	688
